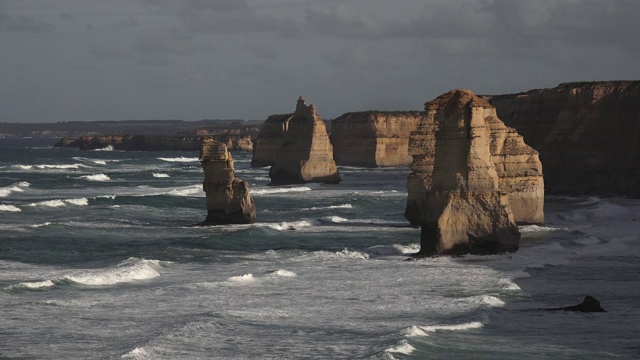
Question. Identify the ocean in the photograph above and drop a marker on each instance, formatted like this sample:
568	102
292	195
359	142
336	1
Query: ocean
99	260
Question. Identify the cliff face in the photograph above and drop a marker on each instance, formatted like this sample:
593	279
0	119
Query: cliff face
517	166
305	153
269	140
153	142
587	133
228	199
374	138
464	209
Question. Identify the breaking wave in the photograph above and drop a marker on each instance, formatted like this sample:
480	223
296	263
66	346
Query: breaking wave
62	202
132	269
106	148
15	187
160	175
179	159
95	177
279	190
9	208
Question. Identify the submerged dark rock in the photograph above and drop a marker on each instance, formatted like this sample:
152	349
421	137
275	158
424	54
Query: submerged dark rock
589	304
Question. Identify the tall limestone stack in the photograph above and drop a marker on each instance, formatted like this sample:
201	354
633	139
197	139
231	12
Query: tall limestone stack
518	167
374	138
463	209
228	199
269	140
587	133
306	154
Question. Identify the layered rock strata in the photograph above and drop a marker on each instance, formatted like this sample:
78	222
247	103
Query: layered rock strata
517	165
455	184
269	141
305	153
228	198
587	133
374	138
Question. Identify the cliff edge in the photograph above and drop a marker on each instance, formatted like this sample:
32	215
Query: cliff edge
587	133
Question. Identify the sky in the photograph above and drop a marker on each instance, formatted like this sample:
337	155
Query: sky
89	60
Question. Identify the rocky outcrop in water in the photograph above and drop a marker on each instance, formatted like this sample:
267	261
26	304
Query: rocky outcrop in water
305	153
587	133
153	142
374	138
228	198
269	141
461	207
517	165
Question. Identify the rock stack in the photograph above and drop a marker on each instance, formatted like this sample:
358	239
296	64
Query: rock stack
269	140
374	138
228	199
455	191
305	154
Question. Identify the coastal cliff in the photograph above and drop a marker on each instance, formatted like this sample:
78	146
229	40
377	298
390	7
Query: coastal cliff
154	142
305	153
228	199
587	133
464	209
374	138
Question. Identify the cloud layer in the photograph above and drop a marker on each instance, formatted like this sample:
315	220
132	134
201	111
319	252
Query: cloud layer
89	60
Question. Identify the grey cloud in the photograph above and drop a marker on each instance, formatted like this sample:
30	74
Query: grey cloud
170	42
22	23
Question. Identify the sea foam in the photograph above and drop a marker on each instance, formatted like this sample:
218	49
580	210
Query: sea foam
160	175
95	177
132	269
402	348
179	159
279	190
15	187
61	202
9	208
459	327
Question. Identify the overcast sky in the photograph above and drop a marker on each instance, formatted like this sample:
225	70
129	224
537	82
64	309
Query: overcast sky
86	60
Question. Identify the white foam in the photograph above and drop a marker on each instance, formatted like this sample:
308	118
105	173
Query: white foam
335	219
179	159
293	225
509	285
284	273
107	148
15	187
130	270
279	190
246	278
491	301
9	208
261	178
414	331
95	161
137	353
59	167
95	177
395	249
62	202
41	225
36	284
402	348
193	190
459	327
537	228
160	175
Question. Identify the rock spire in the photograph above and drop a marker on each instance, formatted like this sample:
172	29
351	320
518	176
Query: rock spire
305	153
228	199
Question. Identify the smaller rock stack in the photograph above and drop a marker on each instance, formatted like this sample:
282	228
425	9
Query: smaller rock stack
228	199
305	154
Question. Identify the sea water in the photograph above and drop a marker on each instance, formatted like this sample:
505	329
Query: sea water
99	260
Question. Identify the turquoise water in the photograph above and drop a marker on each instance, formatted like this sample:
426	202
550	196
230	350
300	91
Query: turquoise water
99	259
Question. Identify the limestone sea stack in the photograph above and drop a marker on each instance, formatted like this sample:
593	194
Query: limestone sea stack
228	198
305	154
269	141
374	138
517	165
587	133
463	210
